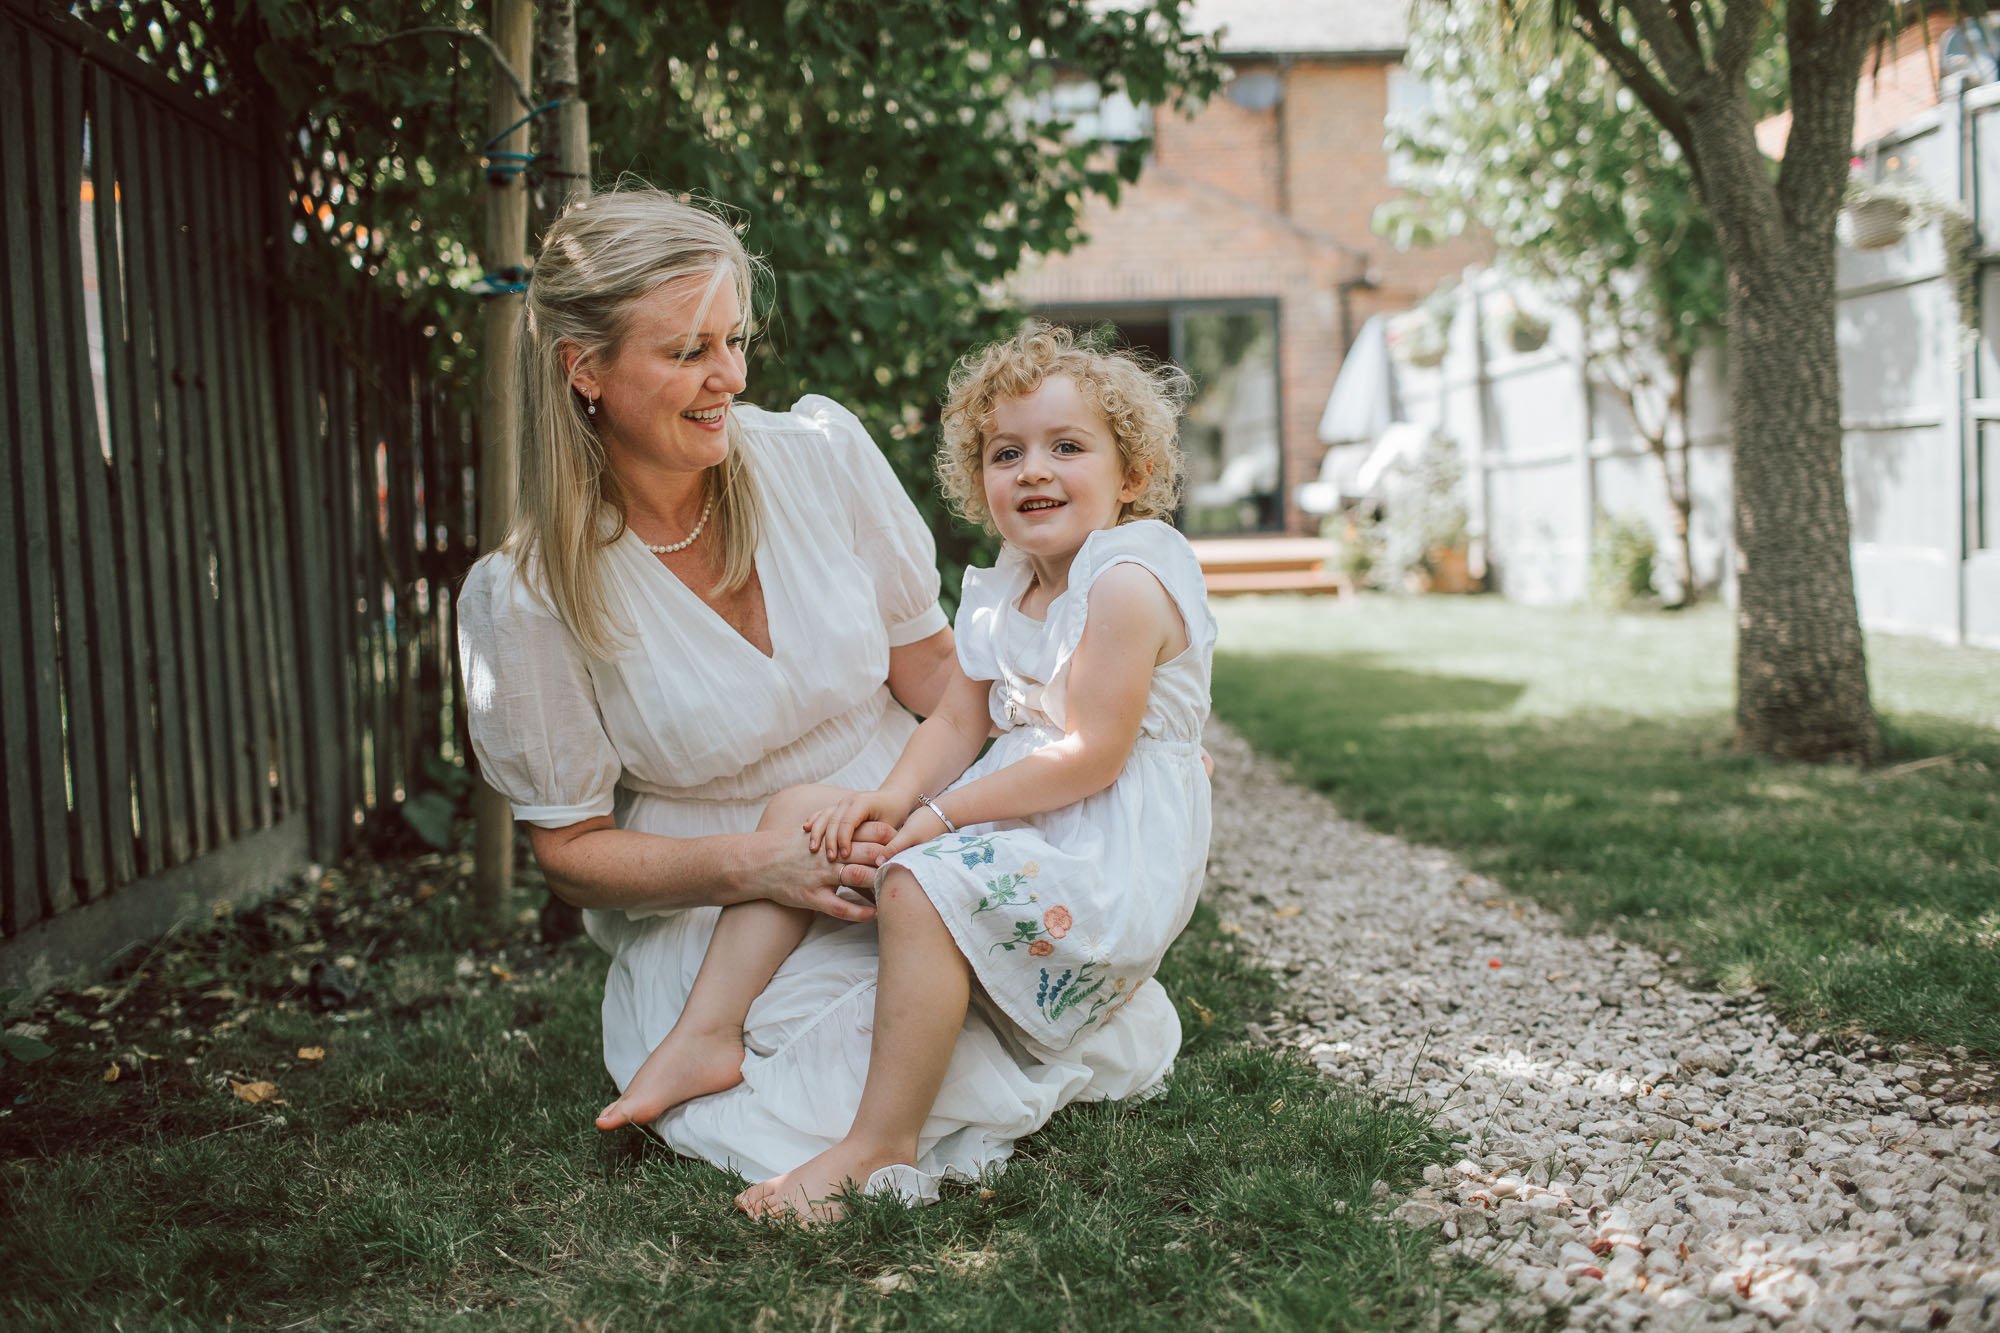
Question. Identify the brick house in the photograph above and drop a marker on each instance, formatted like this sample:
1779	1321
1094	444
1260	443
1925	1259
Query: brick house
1243	252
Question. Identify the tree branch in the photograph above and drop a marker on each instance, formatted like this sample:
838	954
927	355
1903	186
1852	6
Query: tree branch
1682	12
528	103
1852	20
1679	59
1738	41
1590	24
1826	54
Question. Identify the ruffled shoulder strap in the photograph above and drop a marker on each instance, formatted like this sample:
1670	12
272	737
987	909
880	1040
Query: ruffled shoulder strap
982	602
1163	552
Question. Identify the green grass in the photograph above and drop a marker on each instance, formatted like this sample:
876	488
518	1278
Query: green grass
437	1166
1582	758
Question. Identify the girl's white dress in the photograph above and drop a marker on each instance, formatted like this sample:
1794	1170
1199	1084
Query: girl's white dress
692	729
1064	916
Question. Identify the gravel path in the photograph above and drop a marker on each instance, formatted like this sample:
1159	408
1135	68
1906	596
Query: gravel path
1643	1154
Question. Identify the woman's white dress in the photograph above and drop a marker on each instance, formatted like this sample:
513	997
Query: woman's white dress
1064	916
692	728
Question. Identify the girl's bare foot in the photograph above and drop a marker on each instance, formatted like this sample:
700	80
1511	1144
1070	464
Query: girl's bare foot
811	1193
682	1067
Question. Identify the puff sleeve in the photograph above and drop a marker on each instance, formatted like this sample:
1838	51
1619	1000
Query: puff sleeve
890	537
530	703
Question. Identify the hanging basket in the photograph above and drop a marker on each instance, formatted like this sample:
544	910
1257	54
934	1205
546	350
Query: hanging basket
1525	333
1877	224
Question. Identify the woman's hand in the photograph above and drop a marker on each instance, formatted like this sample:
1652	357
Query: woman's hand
833	828
919	828
783	868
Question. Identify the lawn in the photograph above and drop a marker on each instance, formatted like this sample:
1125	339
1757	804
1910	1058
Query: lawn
1582	758
203	1146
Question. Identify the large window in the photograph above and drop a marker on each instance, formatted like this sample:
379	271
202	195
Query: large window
1230	436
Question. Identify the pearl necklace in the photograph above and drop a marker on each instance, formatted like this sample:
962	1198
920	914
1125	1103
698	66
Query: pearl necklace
707	507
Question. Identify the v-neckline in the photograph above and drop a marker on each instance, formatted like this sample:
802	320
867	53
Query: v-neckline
763	595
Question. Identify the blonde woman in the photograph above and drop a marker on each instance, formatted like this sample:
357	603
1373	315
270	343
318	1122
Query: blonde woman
702	604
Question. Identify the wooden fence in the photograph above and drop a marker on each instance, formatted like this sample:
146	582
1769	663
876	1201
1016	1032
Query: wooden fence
232	521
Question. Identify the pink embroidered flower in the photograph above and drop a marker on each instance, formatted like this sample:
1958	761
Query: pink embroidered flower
1031	870
1058	920
1041	949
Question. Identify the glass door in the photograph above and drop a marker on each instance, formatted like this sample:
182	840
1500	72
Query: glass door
1231	434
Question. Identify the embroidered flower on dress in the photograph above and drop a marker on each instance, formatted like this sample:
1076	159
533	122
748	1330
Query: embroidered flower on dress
1031	870
1058	920
1041	948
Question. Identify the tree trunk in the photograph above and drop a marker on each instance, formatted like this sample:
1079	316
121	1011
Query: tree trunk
571	172
1679	480
499	403
1801	673
571	175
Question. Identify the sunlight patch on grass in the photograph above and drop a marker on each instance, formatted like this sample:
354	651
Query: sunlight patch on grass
1590	769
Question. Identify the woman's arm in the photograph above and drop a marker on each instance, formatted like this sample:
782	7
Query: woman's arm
940	749
1132	627
920	672
594	864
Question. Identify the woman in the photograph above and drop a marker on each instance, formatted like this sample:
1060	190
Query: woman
699	605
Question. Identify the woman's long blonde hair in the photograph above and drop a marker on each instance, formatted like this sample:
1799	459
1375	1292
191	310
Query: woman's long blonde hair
600	256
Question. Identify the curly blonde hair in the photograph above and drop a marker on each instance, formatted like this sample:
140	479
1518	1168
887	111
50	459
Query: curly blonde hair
1141	403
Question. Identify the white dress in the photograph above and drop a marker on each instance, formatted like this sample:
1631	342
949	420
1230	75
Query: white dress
1064	916
691	729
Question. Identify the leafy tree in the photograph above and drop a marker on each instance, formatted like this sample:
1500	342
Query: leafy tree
1801	672
877	154
1586	197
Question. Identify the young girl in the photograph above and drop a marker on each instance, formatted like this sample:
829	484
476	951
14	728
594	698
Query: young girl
1057	869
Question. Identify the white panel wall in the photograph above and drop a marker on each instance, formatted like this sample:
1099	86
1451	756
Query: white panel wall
1547	460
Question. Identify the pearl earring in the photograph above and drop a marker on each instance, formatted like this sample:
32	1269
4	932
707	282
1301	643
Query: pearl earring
590	406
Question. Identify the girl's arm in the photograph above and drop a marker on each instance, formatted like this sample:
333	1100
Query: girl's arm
942	747
1132	627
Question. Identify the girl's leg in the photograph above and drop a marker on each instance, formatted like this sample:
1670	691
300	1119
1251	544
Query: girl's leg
703	1053
920	1001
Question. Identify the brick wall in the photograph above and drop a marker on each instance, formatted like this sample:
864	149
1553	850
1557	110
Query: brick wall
1262	204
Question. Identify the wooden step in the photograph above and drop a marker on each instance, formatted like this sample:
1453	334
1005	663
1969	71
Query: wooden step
1235	583
1248	555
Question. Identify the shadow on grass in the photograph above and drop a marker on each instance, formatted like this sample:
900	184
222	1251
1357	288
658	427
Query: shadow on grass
1856	900
435	1161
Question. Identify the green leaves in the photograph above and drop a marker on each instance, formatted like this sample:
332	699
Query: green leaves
1580	187
889	178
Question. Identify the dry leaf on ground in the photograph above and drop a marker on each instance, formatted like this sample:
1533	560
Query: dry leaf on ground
310	1053
256	1093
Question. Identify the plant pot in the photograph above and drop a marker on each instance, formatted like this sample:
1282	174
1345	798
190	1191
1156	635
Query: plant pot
1447	570
1877	224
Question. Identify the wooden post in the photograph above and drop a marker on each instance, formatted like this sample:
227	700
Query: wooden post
499	400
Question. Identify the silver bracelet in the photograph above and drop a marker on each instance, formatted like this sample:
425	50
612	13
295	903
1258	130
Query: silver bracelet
943	818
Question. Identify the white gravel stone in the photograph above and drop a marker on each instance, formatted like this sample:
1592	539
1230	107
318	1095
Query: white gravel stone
1718	1169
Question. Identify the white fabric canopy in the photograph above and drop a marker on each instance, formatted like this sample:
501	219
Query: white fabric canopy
1363	401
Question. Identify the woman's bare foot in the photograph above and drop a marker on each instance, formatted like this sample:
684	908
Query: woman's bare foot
685	1065
811	1193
